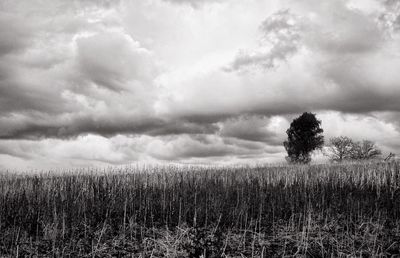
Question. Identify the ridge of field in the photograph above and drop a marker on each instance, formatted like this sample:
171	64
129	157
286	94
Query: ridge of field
178	211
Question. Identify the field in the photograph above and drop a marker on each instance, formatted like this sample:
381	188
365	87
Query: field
343	210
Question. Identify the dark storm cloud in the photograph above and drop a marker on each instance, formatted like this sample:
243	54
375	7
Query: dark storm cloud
182	127
250	128
204	146
67	127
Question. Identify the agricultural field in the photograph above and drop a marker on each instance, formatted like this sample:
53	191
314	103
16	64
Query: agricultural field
337	210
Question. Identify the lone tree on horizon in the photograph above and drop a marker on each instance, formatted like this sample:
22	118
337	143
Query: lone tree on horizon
304	137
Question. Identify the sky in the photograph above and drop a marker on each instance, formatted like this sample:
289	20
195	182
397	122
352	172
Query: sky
115	82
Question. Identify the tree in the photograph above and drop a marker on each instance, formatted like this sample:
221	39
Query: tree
365	150
304	137
340	148
343	148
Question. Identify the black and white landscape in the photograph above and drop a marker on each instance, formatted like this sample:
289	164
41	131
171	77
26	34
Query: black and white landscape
199	128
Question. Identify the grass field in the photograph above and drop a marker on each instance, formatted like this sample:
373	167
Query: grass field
348	210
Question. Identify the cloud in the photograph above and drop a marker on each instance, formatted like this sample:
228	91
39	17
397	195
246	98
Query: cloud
255	128
384	132
22	90
16	35
320	27
358	33
219	81
90	76
53	153
186	147
329	63
67	126
193	3
280	39
117	150
115	61
390	18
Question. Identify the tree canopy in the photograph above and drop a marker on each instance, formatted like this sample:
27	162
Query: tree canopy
304	137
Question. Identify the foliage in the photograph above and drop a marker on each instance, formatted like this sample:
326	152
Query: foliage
202	242
304	136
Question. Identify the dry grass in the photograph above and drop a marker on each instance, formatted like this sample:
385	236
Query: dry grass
315	211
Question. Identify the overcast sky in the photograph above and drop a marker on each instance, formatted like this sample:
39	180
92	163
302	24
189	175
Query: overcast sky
93	83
